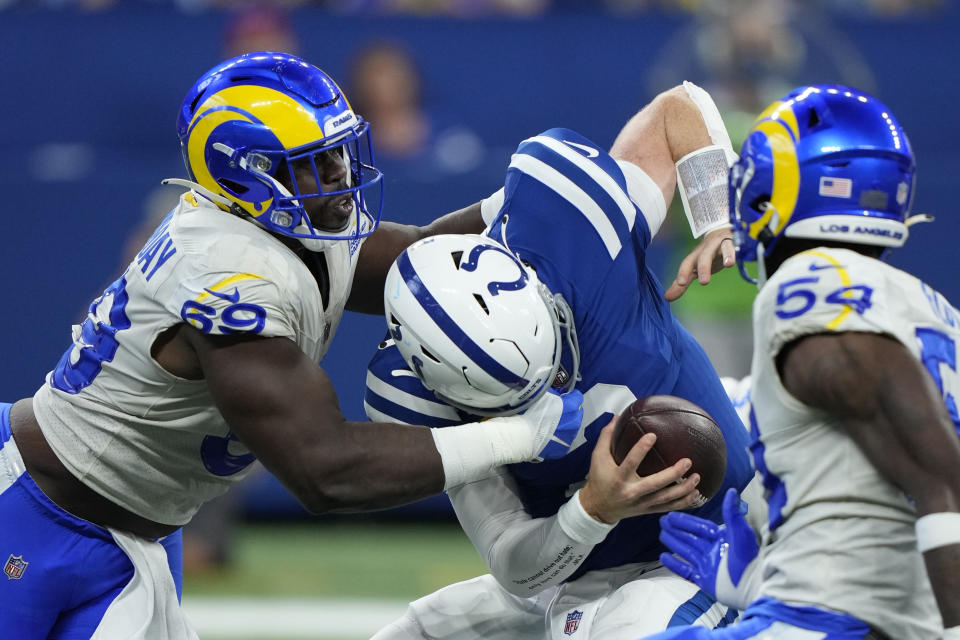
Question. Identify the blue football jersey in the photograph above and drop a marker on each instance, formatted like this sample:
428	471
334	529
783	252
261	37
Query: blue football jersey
569	213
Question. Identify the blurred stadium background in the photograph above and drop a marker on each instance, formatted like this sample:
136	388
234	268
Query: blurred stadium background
89	95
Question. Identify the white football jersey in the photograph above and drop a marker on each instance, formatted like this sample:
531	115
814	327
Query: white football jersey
841	535
144	438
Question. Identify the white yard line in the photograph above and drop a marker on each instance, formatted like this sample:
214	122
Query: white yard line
218	617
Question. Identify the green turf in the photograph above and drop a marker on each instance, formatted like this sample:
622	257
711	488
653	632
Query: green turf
346	559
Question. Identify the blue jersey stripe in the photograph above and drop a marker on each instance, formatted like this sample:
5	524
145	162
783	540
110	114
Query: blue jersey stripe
403	414
691	610
450	328
419	398
596	193
405	382
572	193
614	189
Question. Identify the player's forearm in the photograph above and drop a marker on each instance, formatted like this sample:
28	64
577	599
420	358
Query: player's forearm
364	466
341	471
526	555
681	134
938	538
943	568
675	123
466	220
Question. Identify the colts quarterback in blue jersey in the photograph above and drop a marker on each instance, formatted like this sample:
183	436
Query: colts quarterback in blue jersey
556	293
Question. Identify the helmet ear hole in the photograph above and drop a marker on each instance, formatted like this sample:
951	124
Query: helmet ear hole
813	119
196	101
481	302
233	187
425	352
456	255
757	203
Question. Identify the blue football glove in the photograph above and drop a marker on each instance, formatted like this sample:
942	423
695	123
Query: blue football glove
557	418
721	560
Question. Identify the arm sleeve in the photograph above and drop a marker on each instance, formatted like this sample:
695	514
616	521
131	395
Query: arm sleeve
644	193
491	205
526	555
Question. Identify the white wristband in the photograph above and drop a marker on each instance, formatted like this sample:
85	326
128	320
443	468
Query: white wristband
472	451
580	525
936	530
953	633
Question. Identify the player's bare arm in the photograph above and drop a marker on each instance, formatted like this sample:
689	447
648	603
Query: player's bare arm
891	408
284	408
385	244
662	133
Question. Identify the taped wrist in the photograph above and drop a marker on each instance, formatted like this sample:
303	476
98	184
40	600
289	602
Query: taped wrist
472	451
953	633
580	525
702	182
711	119
702	174
937	530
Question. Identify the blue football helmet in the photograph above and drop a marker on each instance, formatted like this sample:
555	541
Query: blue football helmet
257	114
825	162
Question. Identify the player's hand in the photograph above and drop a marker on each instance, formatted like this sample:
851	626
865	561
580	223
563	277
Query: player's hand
721	560
715	252
556	420
614	492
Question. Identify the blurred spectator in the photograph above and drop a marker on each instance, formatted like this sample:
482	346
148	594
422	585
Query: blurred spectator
385	85
411	143
259	27
883	8
747	53
456	8
478	8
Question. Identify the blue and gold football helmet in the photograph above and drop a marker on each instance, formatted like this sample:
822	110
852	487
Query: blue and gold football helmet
825	162
255	115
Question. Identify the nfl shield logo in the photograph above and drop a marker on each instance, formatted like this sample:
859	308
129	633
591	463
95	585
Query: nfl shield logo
16	566
573	621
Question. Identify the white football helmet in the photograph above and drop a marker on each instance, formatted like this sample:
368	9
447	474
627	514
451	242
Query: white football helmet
477	325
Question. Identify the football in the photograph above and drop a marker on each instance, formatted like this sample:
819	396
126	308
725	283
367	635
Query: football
684	430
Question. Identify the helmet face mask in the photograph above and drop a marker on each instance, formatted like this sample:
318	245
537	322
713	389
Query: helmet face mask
824	163
477	326
273	137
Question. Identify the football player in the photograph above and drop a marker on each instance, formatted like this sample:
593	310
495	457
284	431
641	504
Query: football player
203	357
556	292
854	420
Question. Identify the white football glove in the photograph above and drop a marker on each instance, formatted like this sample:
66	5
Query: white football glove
556	420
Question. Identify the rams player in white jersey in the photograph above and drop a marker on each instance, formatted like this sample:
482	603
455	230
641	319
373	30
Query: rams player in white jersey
557	292
854	381
203	356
